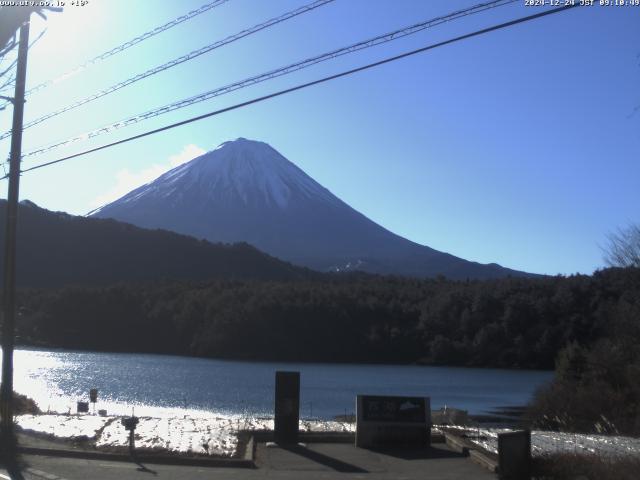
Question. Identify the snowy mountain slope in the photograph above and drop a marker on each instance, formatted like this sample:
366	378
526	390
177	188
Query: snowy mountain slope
246	191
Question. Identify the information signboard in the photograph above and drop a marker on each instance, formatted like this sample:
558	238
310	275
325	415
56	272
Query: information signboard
391	420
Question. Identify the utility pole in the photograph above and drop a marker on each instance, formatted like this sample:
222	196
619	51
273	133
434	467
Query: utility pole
9	287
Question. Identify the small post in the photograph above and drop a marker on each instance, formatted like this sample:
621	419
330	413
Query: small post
131	442
93	398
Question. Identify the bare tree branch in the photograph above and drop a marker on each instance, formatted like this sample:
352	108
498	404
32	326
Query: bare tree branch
11	65
8	82
11	46
623	249
8	47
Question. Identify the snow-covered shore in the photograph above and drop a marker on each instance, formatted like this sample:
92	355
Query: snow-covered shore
219	435
195	435
545	442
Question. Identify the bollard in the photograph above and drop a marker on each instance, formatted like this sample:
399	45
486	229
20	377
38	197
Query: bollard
514	455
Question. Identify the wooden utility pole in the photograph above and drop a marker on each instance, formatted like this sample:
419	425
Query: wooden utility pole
9	286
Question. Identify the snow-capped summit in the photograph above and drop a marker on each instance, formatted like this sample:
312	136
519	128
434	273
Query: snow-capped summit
245	190
252	171
244	171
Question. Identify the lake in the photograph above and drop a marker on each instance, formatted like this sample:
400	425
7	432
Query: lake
162	385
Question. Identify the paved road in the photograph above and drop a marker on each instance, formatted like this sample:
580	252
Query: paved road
317	461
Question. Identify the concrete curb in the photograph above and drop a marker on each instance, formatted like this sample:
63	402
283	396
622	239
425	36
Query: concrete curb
326	437
483	460
245	462
250	451
475	454
263	436
456	443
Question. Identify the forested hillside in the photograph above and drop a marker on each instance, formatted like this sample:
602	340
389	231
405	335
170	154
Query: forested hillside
520	323
57	249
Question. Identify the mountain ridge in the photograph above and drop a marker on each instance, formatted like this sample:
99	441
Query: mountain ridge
245	190
57	249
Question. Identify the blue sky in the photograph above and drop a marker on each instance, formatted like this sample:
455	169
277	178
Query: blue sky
518	147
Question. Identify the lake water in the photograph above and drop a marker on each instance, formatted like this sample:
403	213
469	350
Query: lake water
161	385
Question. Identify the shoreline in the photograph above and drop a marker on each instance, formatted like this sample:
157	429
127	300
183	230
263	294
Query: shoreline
45	347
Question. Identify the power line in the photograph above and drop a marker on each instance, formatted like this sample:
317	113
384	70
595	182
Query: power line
380	39
176	61
308	84
134	41
123	46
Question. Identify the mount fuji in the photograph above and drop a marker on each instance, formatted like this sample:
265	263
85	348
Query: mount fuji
245	191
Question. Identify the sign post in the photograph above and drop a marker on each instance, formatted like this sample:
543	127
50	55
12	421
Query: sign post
129	424
287	407
93	398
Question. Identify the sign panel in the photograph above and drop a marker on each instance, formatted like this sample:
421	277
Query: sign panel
129	423
389	420
394	409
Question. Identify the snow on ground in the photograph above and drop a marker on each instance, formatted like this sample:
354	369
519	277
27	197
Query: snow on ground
219	435
63	426
570	442
193	435
543	442
326	426
186	434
